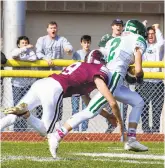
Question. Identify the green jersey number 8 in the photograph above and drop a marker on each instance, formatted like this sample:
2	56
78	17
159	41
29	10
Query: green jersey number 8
114	44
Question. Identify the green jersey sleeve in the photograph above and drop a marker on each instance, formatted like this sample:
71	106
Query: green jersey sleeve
104	40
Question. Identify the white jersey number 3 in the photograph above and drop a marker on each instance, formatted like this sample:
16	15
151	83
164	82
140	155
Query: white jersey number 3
68	70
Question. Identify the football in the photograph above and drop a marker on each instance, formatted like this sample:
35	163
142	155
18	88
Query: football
131	71
130	76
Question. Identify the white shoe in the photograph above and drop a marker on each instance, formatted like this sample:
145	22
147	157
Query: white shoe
53	144
134	145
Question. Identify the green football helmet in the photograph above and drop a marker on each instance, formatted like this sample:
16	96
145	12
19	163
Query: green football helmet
135	27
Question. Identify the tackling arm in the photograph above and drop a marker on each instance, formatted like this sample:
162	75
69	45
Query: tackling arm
103	89
110	117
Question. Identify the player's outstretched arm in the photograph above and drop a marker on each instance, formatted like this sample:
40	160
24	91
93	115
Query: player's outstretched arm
110	117
138	65
103	89
138	62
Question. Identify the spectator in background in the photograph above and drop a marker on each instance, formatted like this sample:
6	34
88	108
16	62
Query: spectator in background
85	42
20	86
152	90
117	28
52	46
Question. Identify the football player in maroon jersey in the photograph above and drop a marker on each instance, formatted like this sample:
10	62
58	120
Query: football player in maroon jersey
78	78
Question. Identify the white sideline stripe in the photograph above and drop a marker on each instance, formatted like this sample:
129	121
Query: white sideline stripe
120	148
50	159
33	158
124	155
130	161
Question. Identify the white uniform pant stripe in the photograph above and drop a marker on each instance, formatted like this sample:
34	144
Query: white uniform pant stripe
56	114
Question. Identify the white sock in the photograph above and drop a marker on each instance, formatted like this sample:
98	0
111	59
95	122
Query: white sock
7	121
37	124
61	133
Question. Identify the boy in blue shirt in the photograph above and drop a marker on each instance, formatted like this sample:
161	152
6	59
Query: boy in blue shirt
80	55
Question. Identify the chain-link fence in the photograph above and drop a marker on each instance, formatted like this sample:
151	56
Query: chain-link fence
150	126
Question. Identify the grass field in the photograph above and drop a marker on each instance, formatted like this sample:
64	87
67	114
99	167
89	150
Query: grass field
80	155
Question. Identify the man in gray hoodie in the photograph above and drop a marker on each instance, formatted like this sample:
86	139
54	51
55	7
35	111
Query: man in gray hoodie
53	46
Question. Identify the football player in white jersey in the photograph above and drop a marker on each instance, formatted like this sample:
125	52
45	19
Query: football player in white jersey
121	52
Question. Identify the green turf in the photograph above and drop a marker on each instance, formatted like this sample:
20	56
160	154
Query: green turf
30	155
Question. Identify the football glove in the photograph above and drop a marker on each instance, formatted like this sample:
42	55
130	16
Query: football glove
130	79
139	79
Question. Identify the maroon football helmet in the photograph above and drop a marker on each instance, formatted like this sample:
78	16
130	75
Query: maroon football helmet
95	56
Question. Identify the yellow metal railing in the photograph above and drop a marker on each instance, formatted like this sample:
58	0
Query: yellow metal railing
64	63
38	63
27	73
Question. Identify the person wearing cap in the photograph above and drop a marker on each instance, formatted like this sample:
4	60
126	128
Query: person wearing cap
117	27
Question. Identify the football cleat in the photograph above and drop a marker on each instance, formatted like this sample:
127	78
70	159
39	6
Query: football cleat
134	145
53	144
18	110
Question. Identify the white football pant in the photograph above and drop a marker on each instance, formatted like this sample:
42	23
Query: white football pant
48	93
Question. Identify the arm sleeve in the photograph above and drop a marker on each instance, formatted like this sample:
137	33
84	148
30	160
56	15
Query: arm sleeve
75	56
160	44
104	40
39	49
101	42
159	38
103	74
66	44
17	51
32	56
